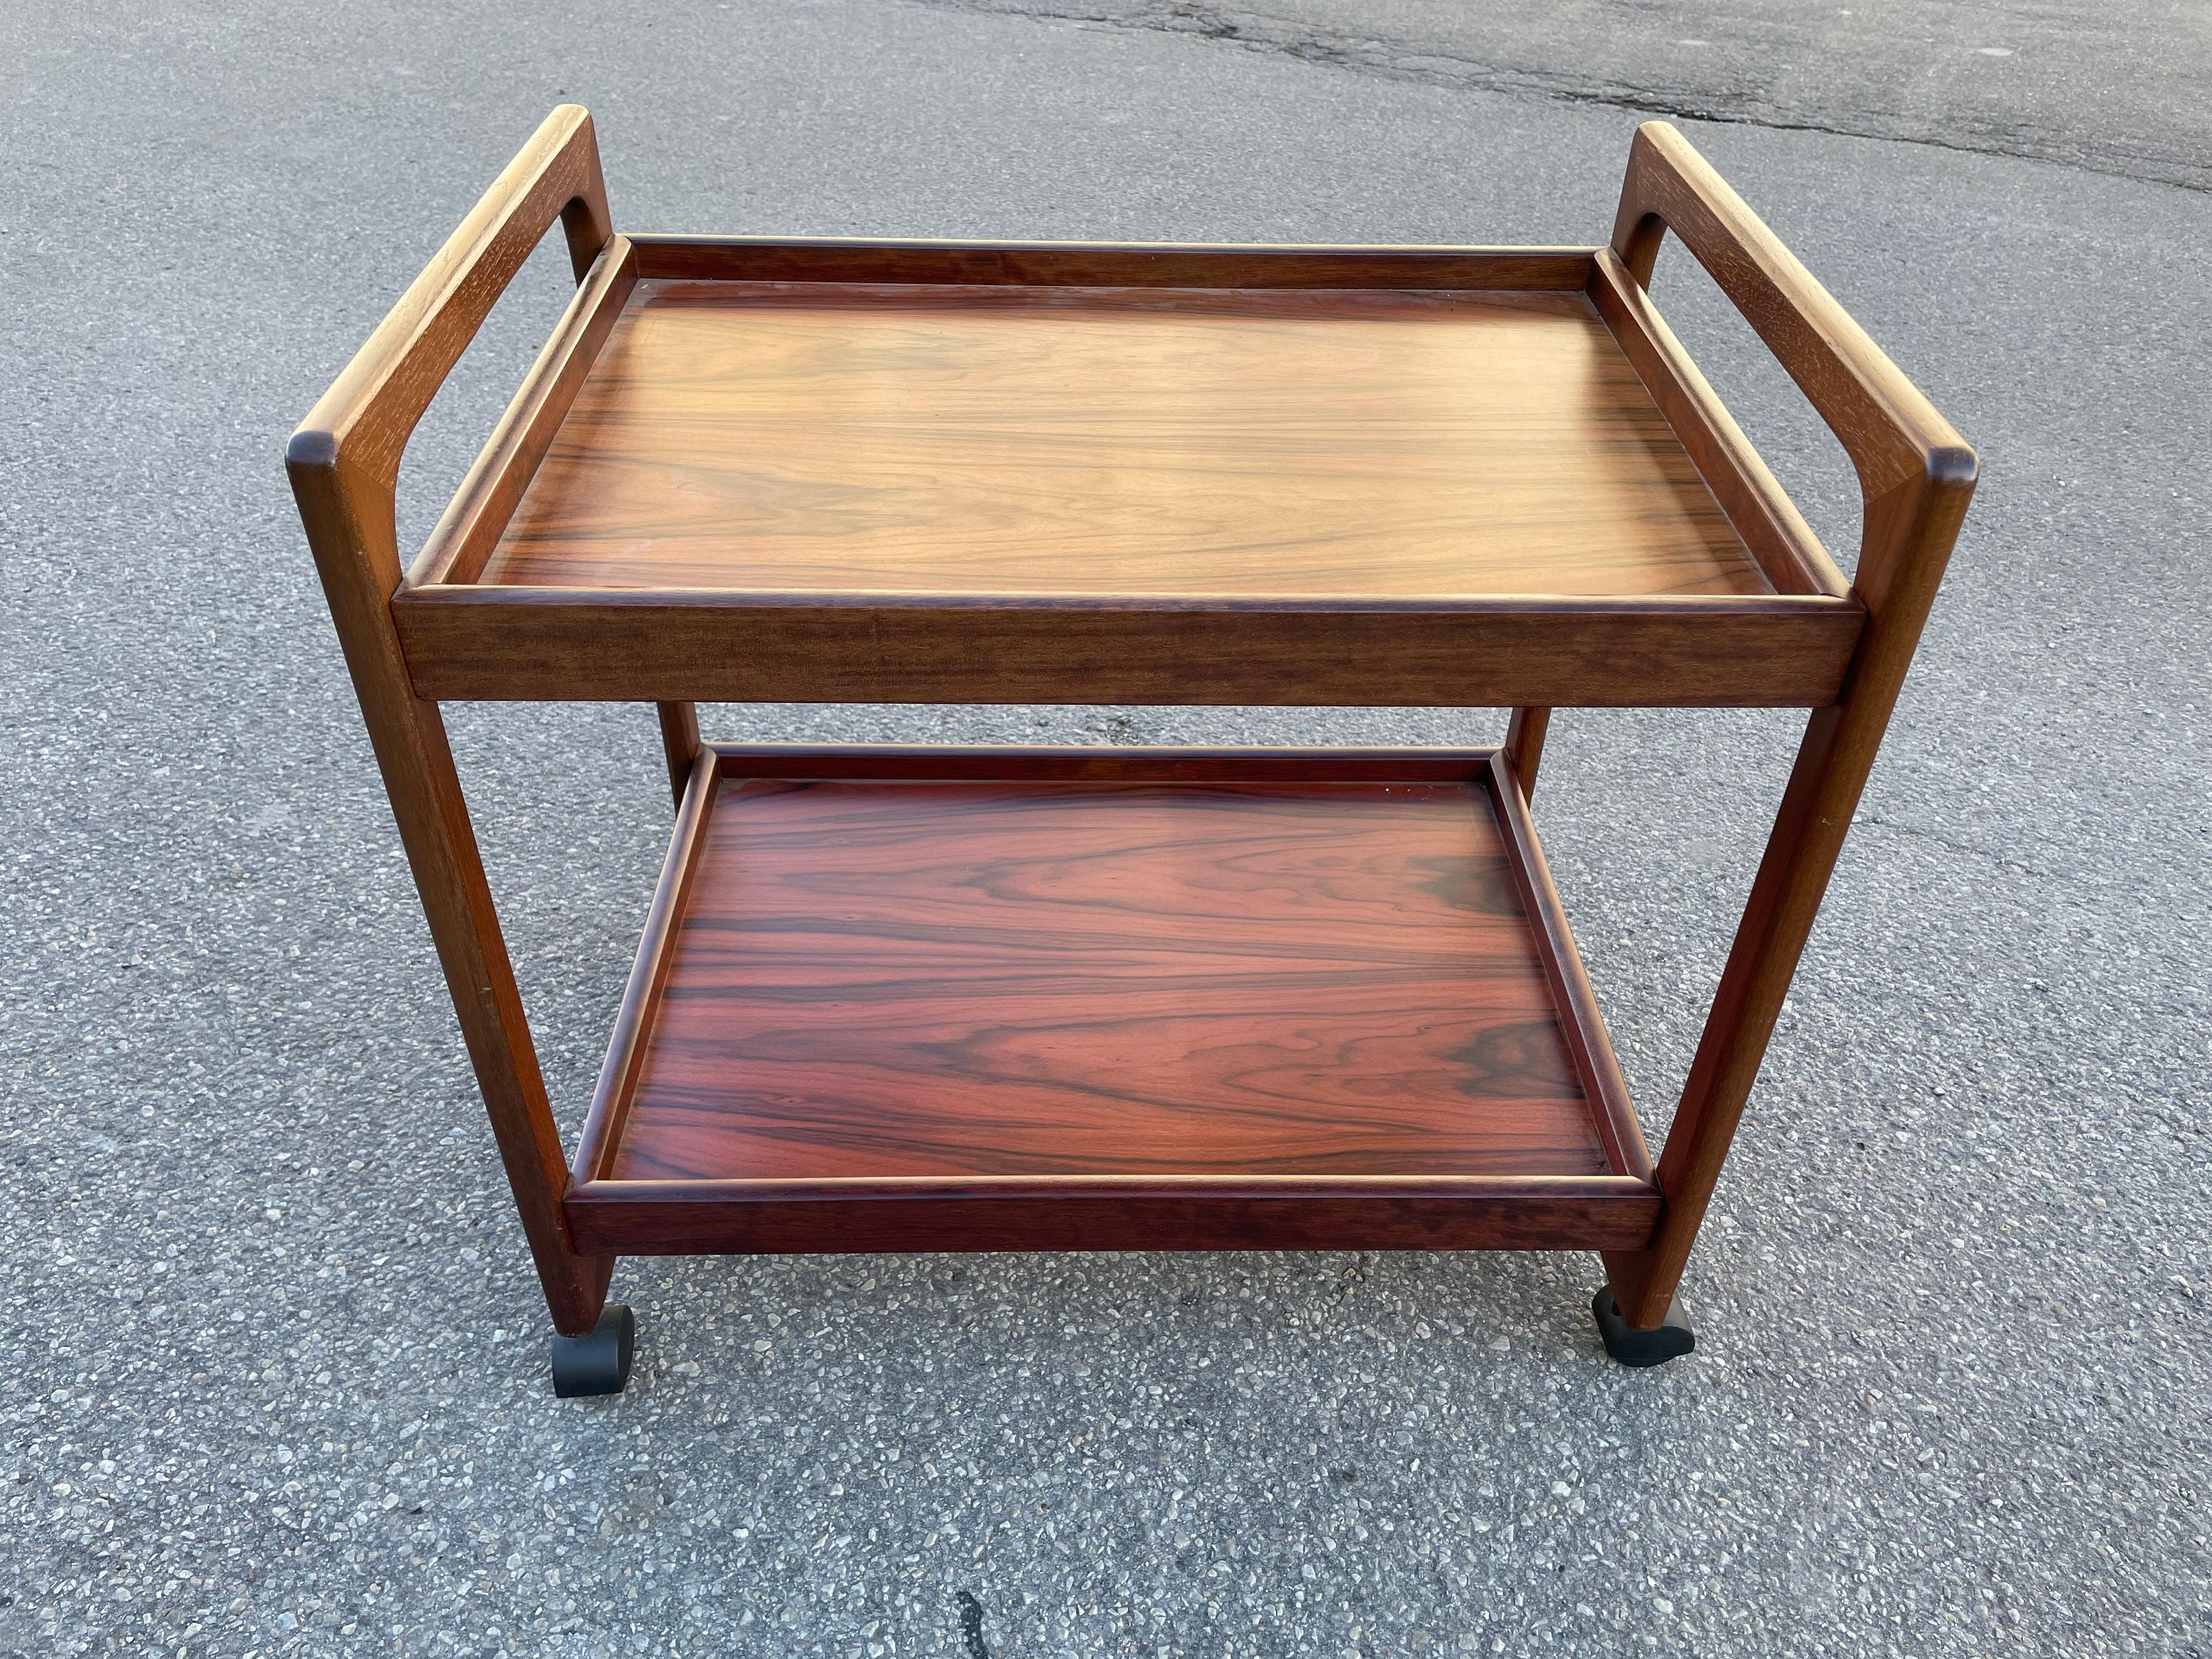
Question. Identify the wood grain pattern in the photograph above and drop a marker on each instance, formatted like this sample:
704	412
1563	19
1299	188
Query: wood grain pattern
1111	264
1610	1213
1760	509
1916	477
469	528
1892	432
1589	1050
1003	440
1028	1000
344	463
511	643
985	978
1524	746
679	742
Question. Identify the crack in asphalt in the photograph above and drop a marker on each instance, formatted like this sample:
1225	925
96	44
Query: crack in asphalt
1406	61
971	1625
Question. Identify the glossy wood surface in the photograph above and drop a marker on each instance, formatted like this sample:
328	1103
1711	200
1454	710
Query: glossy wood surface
679	742
1138	1000
1112	264
344	463
1003	977
1917	476
1597	1212
1787	650
889	439
1753	499
1524	746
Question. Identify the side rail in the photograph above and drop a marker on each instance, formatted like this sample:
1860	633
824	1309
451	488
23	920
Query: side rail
344	465
1916	476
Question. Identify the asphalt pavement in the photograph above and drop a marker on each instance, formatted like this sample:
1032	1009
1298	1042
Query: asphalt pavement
273	1378
2119	89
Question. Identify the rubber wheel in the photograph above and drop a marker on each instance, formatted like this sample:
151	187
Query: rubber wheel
1640	1348
599	1363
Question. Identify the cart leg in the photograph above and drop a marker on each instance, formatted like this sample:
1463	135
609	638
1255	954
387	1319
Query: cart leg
599	1362
344	466
1670	1340
409	735
679	738
1524	746
1915	476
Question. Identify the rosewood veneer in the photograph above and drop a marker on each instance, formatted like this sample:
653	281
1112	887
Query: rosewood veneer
1107	1001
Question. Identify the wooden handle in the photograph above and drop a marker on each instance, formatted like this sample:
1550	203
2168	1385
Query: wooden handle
1892	432
360	426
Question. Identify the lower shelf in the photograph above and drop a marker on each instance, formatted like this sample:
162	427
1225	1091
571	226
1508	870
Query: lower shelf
922	1000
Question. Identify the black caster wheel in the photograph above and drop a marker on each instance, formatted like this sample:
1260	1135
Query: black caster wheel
599	1363
1640	1348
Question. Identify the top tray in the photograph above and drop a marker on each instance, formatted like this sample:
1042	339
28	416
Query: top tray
775	470
844	438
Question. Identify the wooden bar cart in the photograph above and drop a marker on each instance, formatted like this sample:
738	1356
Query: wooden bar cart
894	999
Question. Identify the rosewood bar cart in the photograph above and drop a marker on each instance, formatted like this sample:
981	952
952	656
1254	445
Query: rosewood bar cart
900	998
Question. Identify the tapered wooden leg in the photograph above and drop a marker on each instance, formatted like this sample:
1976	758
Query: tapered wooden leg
411	748
408	735
344	465
679	737
1808	834
1524	746
434	823
1910	527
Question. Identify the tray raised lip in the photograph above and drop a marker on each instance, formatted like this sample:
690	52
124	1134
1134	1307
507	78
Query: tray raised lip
1630	1174
1776	535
